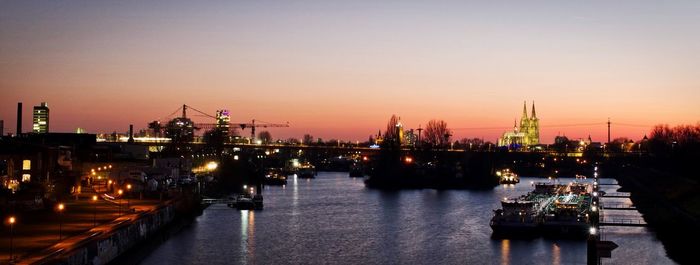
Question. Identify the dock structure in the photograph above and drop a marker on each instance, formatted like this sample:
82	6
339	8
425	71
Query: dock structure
217	201
617	206
637	222
617	195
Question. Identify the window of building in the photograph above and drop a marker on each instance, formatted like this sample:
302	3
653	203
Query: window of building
26	177
26	164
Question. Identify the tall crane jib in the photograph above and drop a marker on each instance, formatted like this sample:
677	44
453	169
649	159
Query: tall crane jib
252	125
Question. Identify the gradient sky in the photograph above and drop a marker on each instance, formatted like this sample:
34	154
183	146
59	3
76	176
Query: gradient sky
339	69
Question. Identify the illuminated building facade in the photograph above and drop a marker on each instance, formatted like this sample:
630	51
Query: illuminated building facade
527	134
41	118
223	119
400	132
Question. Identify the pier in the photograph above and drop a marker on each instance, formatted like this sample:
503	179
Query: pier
638	222
617	206
616	195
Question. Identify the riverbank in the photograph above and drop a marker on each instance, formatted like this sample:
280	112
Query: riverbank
38	230
669	204
102	243
137	253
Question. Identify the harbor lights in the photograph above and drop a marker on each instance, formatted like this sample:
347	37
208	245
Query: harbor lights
592	231
11	221
211	166
60	209
408	160
594	208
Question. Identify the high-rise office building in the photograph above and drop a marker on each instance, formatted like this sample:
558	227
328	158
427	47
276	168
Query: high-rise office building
222	121
41	118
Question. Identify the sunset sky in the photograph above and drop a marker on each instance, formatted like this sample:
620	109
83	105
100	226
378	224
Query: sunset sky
340	69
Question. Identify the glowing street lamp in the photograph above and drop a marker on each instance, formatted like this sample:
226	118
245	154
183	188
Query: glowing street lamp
11	220
60	209
128	206
94	214
120	192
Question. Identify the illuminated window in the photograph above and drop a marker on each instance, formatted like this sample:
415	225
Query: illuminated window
26	165
26	177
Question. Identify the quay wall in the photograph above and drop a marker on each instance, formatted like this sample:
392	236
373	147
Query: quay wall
104	247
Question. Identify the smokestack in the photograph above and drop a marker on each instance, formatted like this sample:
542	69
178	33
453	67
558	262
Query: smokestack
19	118
131	133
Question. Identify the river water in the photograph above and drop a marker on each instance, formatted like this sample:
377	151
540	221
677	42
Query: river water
334	219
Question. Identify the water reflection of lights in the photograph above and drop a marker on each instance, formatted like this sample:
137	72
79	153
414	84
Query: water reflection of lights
505	251
248	234
556	254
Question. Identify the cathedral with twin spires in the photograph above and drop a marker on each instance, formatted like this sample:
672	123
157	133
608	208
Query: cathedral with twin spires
527	134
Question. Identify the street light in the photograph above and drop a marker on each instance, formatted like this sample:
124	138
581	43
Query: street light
94	214
60	208
128	206
120	192
11	220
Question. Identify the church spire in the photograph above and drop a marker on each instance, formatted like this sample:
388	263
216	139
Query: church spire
534	116
524	111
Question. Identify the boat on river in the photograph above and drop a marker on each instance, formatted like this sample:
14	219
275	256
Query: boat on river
550	209
507	176
516	217
249	200
275	177
306	170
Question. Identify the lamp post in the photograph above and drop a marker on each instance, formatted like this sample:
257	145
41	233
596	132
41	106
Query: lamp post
11	220
60	208
120	192
94	213
128	205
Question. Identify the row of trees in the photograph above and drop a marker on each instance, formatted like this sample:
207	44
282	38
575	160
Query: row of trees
682	139
435	134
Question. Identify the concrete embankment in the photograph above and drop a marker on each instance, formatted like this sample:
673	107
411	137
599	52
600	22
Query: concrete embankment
105	243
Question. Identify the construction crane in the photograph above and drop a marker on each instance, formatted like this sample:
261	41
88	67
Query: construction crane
208	126
261	124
